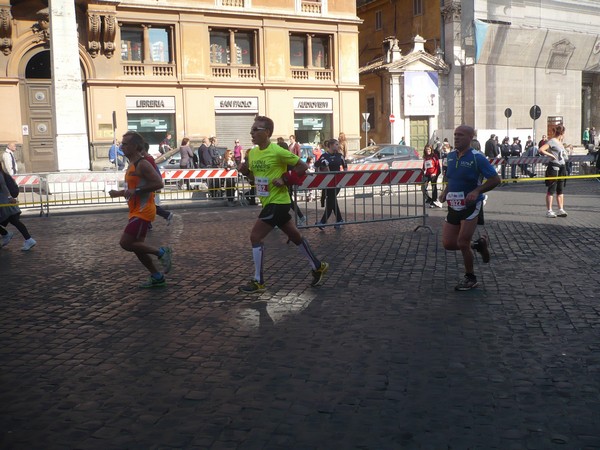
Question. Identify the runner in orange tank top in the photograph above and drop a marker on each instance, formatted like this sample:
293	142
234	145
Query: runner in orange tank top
141	180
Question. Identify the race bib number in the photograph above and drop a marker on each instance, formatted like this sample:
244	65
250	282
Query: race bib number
262	187
456	200
428	164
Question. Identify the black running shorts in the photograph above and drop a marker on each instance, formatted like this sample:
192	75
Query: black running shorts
275	215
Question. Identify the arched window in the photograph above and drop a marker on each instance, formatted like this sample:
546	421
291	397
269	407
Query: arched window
39	66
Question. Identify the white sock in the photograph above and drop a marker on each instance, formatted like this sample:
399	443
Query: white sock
257	256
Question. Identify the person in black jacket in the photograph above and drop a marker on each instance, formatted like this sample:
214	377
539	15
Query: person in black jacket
332	161
505	153
491	150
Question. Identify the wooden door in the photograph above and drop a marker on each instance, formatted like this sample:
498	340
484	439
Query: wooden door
419	133
39	143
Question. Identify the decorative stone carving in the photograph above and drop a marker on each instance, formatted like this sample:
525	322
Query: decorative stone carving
94	28
41	29
5	30
110	31
451	11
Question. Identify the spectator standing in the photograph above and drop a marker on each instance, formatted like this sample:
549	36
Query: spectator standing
116	156
229	164
318	151
515	151
331	161
141	181
187	158
491	150
294	146
431	172
475	143
543	141
343	144
237	153
282	143
9	161
446	149
505	153
204	158
214	184
267	164
529	145
11	214
585	138
372	142
593	137
555	150
402	141
464	193
165	145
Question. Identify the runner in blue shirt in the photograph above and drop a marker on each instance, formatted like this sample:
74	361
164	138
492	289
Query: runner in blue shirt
464	193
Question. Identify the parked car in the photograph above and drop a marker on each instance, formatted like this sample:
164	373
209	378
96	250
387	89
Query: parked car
383	153
172	161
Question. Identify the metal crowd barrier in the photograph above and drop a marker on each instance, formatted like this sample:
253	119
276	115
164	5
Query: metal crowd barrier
363	196
33	193
527	165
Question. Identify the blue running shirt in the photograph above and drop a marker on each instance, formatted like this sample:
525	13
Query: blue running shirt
465	174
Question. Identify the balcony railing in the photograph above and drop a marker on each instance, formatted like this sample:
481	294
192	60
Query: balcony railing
312	74
246	73
233	3
149	70
311	7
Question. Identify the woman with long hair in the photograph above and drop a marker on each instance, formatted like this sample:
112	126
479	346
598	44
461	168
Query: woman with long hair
11	213
557	167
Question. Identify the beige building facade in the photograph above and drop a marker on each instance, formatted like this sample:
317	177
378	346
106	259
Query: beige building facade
193	68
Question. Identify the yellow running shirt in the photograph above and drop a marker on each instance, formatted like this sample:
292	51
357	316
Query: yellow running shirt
266	165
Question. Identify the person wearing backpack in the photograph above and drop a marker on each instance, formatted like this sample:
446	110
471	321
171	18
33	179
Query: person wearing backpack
11	214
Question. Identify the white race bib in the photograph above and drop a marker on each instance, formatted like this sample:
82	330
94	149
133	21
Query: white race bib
456	200
262	186
428	164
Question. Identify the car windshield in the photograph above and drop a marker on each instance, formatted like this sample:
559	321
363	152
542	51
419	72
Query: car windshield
368	151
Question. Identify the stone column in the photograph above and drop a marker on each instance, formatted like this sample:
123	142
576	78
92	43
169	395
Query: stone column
71	141
451	112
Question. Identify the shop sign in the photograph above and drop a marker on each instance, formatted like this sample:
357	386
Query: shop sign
313	105
150	104
230	105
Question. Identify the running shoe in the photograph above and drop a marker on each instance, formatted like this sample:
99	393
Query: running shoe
319	274
28	244
481	246
485	199
154	283
6	238
551	214
320	227
253	287
166	259
170	218
466	284
437	204
338	225
561	213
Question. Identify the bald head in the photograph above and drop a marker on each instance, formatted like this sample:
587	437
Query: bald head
463	135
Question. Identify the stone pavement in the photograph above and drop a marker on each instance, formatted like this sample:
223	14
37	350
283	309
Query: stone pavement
385	355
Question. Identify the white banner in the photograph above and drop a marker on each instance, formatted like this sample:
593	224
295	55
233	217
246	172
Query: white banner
421	97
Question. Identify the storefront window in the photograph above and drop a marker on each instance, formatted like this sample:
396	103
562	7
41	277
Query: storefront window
152	126
313	128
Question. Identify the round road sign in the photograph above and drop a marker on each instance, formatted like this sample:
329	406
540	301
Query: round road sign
392	118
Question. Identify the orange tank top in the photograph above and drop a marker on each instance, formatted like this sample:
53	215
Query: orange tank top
142	204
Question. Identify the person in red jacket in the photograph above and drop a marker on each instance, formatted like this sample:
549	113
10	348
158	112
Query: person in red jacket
431	172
